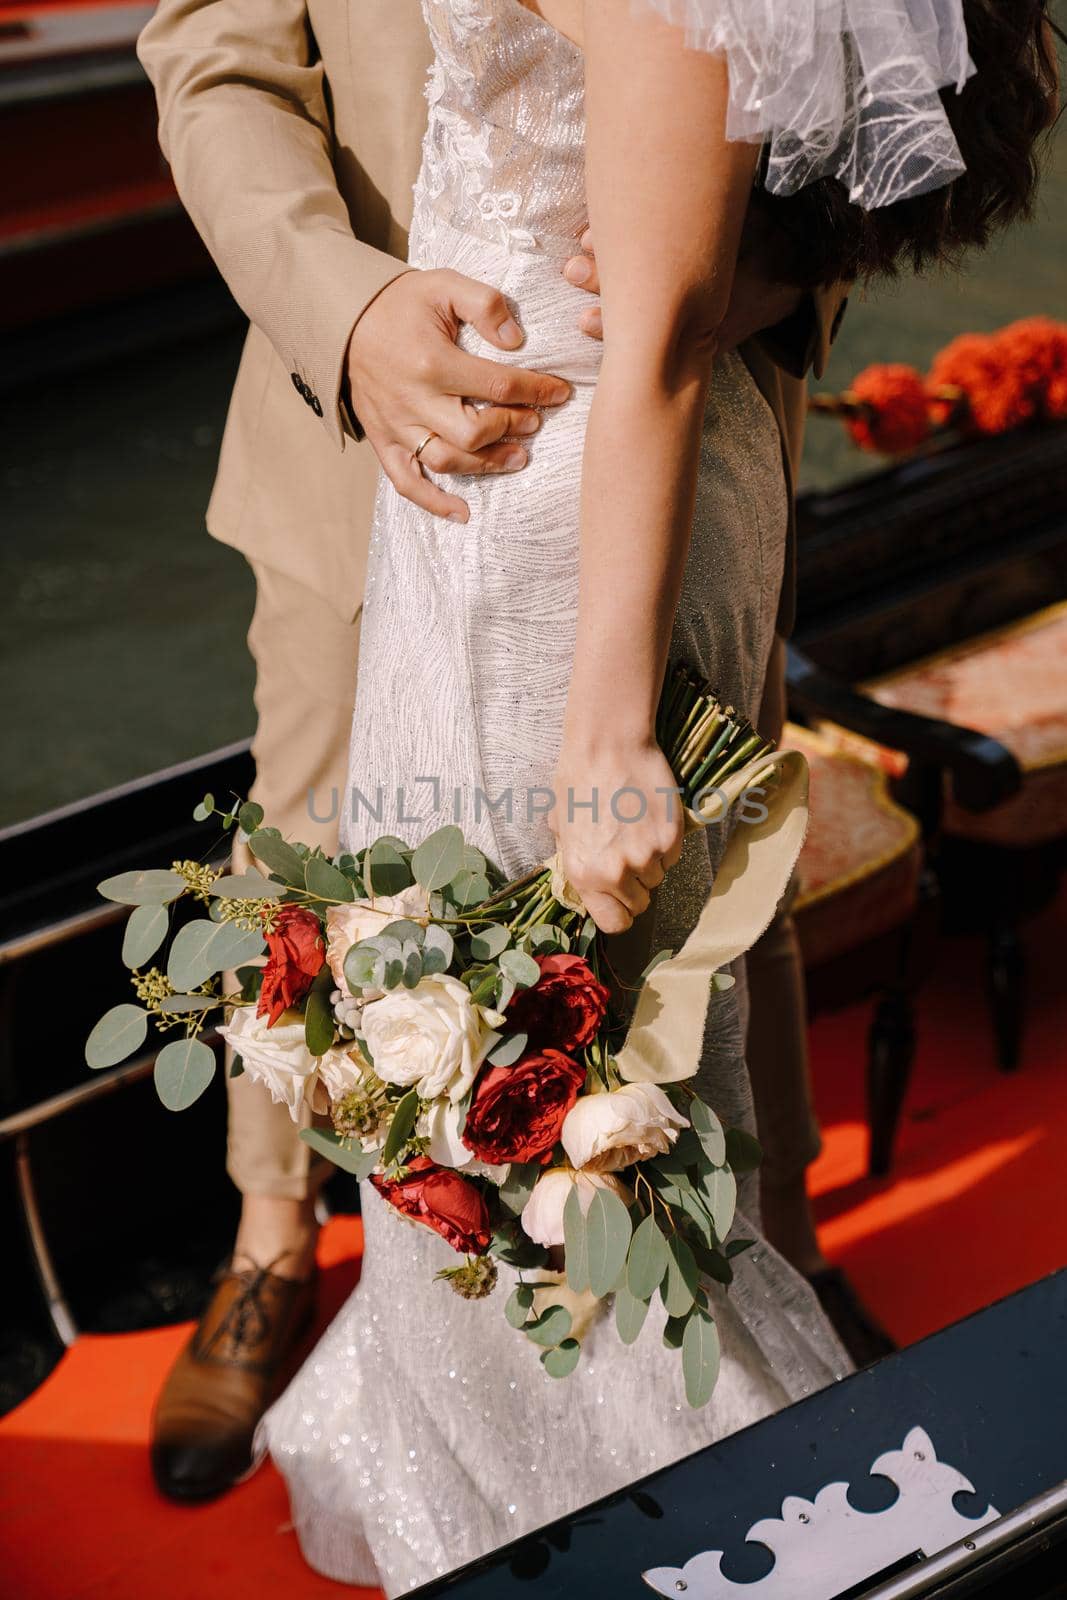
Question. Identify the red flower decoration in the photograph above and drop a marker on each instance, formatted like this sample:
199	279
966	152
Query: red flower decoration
995	389
443	1201
517	1112
897	414
1037	350
564	1008
297	952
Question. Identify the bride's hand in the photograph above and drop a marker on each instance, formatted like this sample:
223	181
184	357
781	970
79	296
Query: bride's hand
618	824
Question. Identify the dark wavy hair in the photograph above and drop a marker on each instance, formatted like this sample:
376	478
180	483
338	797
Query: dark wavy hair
1000	119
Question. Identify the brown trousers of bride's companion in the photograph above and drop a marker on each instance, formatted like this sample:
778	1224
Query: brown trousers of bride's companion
305	657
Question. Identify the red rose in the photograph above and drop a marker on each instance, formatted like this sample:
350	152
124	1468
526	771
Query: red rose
564	1008
517	1112
297	952
444	1201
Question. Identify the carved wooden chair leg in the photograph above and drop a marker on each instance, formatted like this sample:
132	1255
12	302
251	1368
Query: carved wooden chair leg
890	1054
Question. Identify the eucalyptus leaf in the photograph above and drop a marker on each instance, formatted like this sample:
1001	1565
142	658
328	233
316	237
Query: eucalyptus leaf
713	1264
318	1021
342	1152
364	968
439	858
237	1067
277	856
608	1233
719	1188
517	1306
120	1032
544	939
412	968
404	1119
204	809
250	885
550	1327
657	961
646	1261
249	817
561	1362
630	1314
469	888
403	930
438	949
154	887
743	1151
518	1186
576	1242
187	1004
737	1247
145	932
182	1072
509	1050
709	1131
674	1332
520	968
325	881
587	937
700	1358
679	1286
203	947
385	870
489	941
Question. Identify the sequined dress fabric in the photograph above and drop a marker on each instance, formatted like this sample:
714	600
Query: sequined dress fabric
422	1431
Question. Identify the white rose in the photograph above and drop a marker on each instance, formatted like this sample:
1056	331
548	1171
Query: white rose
542	1215
275	1056
604	1132
341	1069
433	1036
361	919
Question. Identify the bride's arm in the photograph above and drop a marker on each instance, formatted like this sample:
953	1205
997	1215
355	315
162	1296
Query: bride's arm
658	168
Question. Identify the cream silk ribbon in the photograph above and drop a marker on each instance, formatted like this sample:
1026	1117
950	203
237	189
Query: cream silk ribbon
667	1031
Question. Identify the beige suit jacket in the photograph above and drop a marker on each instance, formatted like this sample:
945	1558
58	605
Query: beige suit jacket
293	129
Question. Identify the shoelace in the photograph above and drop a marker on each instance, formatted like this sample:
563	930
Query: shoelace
248	1320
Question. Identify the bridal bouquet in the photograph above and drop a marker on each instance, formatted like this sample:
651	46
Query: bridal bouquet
463	1046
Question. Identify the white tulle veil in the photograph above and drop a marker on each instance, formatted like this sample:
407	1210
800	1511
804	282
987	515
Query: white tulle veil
838	88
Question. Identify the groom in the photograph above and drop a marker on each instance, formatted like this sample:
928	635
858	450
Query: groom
293	129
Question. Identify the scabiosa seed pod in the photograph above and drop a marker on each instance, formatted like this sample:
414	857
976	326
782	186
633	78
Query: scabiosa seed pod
474	1280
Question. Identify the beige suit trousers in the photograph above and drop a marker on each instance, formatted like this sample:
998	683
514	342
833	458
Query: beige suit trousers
305	658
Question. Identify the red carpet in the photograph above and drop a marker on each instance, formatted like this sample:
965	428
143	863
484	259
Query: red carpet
971	1212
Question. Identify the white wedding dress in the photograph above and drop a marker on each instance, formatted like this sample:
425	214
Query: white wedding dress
423	1431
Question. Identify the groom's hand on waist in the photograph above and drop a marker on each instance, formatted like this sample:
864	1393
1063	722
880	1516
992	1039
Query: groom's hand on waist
412	387
756	302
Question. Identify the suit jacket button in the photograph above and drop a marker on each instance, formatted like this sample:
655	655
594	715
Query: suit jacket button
315	406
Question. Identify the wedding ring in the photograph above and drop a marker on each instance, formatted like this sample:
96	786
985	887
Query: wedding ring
422	446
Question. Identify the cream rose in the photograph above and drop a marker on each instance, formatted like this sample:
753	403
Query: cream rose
604	1132
361	919
341	1070
432	1036
277	1057
542	1215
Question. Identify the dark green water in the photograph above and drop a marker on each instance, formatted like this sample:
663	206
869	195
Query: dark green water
124	624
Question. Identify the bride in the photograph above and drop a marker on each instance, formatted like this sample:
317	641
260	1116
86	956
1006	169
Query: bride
513	652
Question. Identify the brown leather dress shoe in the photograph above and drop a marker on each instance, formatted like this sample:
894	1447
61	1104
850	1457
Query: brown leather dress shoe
238	1360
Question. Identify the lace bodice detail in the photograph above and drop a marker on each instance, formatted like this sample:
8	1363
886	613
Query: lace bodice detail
503	157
